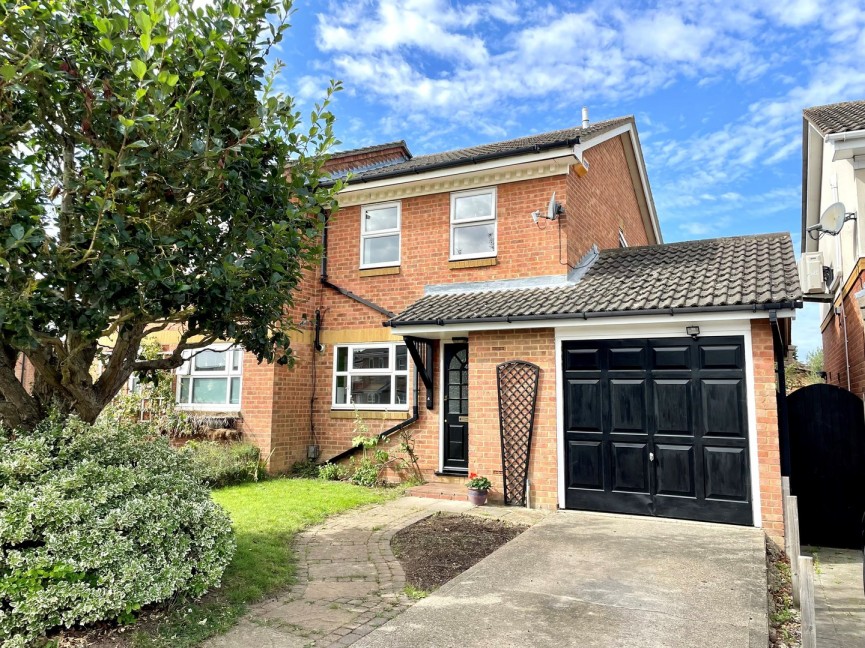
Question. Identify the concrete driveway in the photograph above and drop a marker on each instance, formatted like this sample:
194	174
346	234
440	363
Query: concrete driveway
592	580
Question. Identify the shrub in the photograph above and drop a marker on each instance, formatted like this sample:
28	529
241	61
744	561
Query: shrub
331	472
224	464
305	469
366	472
98	521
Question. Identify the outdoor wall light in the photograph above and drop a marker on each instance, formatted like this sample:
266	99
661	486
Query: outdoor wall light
693	331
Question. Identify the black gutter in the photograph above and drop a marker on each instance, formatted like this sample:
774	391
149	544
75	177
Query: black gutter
345	454
781	395
465	161
745	308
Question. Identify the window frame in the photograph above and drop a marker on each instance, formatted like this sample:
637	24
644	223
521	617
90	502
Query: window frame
364	236
188	370
391	371
458	224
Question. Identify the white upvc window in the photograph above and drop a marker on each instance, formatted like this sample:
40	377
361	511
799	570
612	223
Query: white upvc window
473	224
380	235
370	376
211	378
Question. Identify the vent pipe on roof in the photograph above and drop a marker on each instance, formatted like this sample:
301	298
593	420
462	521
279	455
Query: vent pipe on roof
585	117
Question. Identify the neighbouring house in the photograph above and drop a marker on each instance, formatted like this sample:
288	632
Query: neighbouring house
833	239
656	363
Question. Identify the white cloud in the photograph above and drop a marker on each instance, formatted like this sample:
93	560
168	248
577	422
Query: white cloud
664	36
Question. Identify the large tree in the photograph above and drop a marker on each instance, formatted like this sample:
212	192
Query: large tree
151	176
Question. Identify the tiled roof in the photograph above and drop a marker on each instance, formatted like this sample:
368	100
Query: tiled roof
726	272
838	118
372	149
499	149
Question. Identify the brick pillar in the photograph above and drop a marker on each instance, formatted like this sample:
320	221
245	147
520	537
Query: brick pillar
768	451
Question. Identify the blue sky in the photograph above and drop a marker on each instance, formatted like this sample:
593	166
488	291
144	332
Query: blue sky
717	88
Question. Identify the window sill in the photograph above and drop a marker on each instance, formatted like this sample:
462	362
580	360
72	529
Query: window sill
379	272
210	409
386	415
472	263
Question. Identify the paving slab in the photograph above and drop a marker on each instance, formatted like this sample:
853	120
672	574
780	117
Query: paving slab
600	581
348	581
839	600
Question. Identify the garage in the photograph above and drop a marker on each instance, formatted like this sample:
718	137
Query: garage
657	427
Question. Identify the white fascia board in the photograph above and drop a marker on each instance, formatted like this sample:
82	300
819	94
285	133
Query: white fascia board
844	149
835	137
641	167
529	159
628	322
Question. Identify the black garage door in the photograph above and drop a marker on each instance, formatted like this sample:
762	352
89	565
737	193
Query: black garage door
657	427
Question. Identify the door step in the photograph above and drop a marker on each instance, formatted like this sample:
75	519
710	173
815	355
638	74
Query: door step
437	490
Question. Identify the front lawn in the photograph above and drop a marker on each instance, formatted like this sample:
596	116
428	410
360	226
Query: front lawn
265	516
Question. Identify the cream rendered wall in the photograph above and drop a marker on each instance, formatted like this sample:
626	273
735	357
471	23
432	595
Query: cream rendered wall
839	183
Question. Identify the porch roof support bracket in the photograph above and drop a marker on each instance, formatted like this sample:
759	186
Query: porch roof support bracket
421	352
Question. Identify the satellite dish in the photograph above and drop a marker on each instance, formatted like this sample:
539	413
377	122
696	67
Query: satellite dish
552	208
832	220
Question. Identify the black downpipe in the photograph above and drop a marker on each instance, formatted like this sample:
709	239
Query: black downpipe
342	291
781	395
396	428
415	412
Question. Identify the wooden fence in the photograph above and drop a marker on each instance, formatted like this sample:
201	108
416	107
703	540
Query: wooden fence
801	567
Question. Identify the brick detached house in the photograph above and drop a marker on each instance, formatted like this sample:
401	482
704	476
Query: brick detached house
833	240
654	364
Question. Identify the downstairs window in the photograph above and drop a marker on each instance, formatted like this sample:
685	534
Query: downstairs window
370	376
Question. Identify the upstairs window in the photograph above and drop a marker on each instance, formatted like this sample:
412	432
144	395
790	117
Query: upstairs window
211	379
380	235
473	224
370	376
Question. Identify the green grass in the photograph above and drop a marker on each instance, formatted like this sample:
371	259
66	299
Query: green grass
266	516
414	593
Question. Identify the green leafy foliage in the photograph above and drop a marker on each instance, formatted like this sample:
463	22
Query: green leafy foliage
305	469
225	464
98	521
331	472
150	176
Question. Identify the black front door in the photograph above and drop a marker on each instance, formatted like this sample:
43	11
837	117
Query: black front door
456	410
658	427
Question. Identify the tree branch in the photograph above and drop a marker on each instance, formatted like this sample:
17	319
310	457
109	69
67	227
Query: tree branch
176	358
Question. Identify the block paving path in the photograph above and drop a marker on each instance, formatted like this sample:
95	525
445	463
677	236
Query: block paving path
348	581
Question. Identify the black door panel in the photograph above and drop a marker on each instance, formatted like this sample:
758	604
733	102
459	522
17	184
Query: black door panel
456	410
657	427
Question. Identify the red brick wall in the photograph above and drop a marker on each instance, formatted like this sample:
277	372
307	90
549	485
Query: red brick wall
595	207
835	362
487	350
602	202
768	453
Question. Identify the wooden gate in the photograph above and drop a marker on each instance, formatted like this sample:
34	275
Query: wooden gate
827	447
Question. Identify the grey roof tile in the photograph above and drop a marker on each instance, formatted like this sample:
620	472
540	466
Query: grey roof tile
838	117
735	271
421	163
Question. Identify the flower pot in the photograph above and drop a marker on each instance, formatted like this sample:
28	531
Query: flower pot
477	497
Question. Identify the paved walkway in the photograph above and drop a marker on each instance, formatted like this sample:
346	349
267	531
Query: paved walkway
839	598
348	581
600	581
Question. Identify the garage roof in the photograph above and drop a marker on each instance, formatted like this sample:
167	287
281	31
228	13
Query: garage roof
736	273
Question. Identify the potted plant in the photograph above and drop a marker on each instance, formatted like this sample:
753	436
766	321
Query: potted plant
478	489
